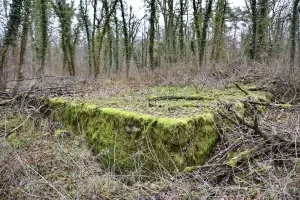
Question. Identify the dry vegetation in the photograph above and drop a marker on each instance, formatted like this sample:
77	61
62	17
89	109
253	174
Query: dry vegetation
41	160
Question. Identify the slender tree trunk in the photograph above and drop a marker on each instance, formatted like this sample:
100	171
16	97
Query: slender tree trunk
100	36
109	38
24	37
170	31
44	36
93	35
254	32
204	31
293	34
126	39
299	40
181	29
218	30
152	33
110	50
116	43
85	20
197	7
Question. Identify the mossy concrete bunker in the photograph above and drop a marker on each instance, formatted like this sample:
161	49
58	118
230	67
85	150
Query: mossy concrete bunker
131	142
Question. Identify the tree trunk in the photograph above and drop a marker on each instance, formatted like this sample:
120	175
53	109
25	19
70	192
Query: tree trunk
116	43
263	29
197	7
181	30
85	20
13	24
44	36
218	30
100	35
204	31
293	34
254	32
126	39
152	33
24	37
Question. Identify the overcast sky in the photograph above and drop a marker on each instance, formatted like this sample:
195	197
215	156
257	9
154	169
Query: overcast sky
137	5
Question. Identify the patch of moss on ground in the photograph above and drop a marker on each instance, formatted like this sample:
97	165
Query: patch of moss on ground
141	101
8	125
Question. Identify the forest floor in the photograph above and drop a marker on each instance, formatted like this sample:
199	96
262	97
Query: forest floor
254	159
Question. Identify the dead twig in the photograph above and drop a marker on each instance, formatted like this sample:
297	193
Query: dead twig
282	106
241	89
223	153
191	98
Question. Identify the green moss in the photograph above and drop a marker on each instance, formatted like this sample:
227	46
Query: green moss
238	157
16	138
132	137
189	169
129	140
60	133
12	137
298	163
285	106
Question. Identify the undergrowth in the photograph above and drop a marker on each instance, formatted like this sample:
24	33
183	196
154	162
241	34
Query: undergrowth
42	160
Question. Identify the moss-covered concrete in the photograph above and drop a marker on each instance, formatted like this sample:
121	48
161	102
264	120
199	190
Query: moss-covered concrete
127	141
132	137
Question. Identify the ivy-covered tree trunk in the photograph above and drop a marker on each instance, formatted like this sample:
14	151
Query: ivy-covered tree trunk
218	30
203	41
43	15
181	28
24	36
197	7
254	30
86	23
65	15
170	31
263	29
152	33
13	24
108	49
293	34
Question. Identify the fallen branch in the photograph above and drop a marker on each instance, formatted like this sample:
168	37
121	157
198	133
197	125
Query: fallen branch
6	102
282	106
257	130
190	98
223	153
241	121
241	89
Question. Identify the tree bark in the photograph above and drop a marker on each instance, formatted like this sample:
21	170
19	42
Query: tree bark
263	29
254	32
10	35
152	33
218	30
204	31
126	39
197	7
293	34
